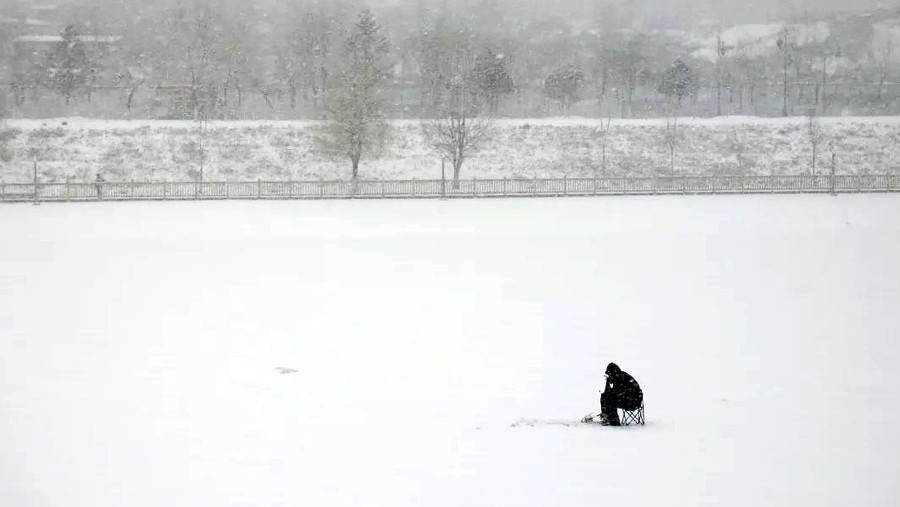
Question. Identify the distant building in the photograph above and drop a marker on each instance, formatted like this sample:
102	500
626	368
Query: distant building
52	40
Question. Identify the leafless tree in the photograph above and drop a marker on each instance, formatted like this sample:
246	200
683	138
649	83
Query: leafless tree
458	130
815	135
671	137
602	133
884	49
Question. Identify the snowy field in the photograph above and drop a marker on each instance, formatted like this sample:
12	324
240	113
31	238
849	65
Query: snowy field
141	343
76	149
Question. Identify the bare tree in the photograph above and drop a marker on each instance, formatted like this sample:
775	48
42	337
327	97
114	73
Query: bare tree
678	82
630	69
442	49
671	138
720	55
458	131
203	127
305	55
749	75
603	134
815	135
785	46
194	55
884	49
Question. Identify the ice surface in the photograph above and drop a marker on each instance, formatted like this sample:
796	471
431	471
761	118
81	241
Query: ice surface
142	348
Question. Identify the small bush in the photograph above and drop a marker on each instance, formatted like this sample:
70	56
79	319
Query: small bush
6	154
7	135
45	133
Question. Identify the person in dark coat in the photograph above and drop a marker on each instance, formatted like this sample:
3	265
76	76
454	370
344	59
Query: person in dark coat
621	391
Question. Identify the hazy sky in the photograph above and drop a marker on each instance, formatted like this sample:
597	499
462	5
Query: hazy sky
681	11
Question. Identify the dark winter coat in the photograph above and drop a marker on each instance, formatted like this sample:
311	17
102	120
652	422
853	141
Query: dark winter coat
623	388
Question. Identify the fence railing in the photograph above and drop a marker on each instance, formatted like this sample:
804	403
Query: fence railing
212	190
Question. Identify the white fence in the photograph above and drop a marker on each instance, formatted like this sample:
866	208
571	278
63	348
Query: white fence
213	190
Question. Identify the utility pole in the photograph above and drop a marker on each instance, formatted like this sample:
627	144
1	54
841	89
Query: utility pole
720	53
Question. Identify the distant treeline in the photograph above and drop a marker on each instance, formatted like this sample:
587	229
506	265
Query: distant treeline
236	59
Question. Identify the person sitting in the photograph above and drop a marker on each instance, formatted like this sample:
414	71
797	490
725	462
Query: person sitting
621	391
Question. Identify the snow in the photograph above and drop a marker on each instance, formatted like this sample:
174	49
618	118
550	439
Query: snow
145	351
76	149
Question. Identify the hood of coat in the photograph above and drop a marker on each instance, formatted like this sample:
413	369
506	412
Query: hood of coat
613	370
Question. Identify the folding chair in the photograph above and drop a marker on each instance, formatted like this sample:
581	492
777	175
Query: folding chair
635	416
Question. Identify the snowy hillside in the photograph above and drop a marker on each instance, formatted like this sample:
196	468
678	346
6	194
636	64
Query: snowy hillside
377	353
142	150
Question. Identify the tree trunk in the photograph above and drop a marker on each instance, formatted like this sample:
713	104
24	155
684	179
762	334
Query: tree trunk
784	108
604	159
718	96
130	97
457	166
814	147
672	158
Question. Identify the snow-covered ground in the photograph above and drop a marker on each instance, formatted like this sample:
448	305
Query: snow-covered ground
140	345
524	148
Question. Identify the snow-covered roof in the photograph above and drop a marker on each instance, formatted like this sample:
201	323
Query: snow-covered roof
27	21
52	39
758	39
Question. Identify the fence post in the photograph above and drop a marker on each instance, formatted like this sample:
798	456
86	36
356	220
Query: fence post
414	185
534	186
595	184
258	187
565	185
382	189
165	189
67	189
291	187
505	189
